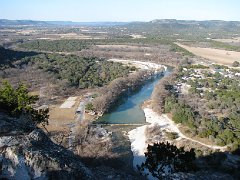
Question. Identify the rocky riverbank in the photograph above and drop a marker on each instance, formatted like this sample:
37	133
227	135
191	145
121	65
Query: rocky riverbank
158	130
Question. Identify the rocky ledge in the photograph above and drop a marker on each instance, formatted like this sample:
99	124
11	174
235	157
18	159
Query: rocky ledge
28	153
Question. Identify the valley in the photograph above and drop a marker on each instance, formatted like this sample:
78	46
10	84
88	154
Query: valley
113	90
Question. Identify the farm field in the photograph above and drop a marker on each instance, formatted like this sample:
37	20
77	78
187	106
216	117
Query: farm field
232	40
215	55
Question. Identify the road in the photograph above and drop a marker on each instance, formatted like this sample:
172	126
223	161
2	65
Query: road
78	120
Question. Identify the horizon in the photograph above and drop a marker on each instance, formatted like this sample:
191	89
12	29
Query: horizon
117	21
119	11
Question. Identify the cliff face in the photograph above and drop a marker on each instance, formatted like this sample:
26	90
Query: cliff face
27	153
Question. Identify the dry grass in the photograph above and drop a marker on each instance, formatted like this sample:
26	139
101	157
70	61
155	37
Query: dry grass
233	40
215	55
60	118
27	31
34	93
122	46
137	36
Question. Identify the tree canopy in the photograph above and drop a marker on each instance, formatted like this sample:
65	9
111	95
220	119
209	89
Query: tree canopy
164	159
77	71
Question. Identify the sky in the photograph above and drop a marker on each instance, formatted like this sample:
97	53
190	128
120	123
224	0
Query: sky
119	10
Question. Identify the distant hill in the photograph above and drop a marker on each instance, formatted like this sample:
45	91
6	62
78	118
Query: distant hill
6	22
183	25
154	25
71	23
204	24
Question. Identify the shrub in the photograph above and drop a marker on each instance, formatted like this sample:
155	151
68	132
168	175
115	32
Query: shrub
89	106
171	135
236	64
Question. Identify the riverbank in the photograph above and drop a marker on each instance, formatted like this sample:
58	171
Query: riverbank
142	65
109	96
156	132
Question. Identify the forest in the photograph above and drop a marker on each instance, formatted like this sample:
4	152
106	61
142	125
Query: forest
79	71
72	45
211	109
71	70
57	45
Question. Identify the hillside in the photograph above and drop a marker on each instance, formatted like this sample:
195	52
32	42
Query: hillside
6	22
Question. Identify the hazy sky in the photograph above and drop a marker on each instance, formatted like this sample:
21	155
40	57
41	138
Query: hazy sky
119	10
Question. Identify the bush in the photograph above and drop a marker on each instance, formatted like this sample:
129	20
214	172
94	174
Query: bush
171	135
236	64
89	107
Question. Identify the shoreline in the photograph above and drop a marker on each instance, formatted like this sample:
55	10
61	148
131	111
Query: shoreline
108	95
139	140
144	65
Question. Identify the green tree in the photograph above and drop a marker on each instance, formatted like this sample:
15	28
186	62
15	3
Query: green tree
17	102
164	158
89	106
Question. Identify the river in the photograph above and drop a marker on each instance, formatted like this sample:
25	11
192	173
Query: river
129	111
128	115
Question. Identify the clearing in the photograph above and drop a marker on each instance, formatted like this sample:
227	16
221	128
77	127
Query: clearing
141	64
60	118
69	103
215	55
233	40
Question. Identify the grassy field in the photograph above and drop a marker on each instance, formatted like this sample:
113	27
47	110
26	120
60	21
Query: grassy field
215	55
59	118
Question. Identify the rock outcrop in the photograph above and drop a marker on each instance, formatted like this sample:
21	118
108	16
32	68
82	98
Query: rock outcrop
28	153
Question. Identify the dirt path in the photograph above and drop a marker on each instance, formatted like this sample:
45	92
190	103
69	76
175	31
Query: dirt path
167	124
138	136
78	120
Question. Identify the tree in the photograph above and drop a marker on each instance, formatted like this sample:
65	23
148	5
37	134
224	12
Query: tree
163	159
89	106
236	64
17	102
